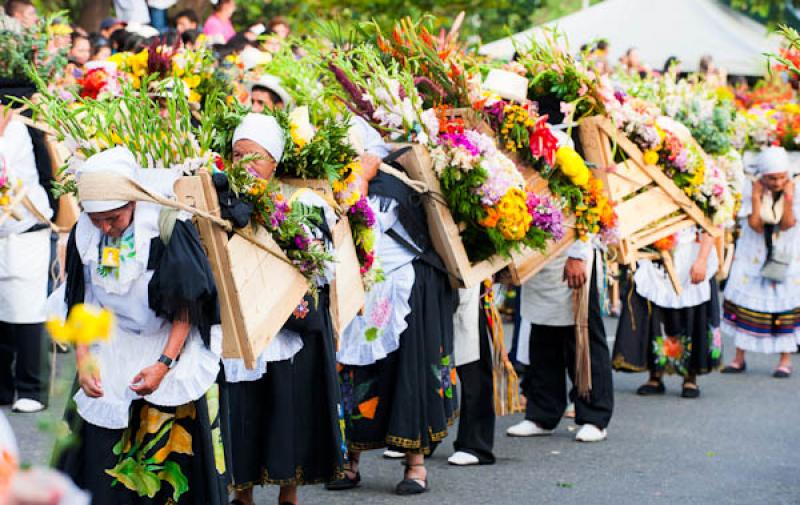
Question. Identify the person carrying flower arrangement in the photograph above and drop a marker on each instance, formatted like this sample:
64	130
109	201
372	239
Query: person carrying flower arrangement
665	331
548	303
762	295
146	420
24	268
397	375
286	423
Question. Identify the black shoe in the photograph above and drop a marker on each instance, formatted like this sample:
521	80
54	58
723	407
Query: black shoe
408	487
344	483
733	369
651	390
690	392
782	373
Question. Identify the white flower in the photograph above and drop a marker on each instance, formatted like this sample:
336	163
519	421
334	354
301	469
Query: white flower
302	130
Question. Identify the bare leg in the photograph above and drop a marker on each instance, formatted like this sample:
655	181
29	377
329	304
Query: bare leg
245	496
785	361
416	467
288	494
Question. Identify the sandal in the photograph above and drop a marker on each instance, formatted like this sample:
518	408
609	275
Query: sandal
735	369
690	390
408	487
345	482
651	388
782	372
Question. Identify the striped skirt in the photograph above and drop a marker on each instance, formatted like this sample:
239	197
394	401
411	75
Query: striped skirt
762	331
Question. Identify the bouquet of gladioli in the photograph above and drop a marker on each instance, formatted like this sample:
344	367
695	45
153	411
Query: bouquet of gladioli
488	197
382	94
134	120
438	63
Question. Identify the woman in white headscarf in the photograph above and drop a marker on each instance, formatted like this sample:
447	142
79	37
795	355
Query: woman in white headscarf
145	420
762	296
286	414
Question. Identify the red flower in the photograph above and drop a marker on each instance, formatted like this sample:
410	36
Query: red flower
93	83
543	142
219	163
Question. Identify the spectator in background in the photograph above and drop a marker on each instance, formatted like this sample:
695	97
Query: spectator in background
23	11
218	27
101	50
672	66
187	20
132	11
280	27
189	39
632	63
108	26
81	49
710	72
158	13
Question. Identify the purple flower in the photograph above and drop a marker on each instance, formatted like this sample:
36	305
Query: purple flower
301	242
546	216
460	140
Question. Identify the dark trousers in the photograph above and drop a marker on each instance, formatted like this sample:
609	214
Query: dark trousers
545	385
24	363
476	419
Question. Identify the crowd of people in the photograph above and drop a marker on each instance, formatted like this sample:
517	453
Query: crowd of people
160	402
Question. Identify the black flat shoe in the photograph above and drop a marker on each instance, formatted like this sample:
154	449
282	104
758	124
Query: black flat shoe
734	369
690	392
344	483
408	487
651	390
782	373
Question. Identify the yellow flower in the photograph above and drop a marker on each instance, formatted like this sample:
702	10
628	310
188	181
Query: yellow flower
138	63
192	81
84	325
301	129
570	162
650	157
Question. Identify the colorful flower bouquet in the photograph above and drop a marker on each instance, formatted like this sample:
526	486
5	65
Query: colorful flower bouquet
289	223
489	199
31	51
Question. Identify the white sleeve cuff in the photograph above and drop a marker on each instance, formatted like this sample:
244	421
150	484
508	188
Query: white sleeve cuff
580	250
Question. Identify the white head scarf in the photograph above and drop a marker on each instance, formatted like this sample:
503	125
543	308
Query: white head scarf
773	160
265	131
118	160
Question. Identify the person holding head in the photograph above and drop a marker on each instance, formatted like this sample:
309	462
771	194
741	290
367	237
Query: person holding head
267	94
218	27
154	381
186	20
762	296
23	11
285	413
24	268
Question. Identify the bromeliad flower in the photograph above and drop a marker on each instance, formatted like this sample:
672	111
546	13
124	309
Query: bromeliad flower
543	143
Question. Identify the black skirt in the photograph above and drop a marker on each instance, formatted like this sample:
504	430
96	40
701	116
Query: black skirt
684	341
287	427
407	400
171	455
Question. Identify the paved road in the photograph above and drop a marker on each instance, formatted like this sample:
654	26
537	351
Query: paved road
738	444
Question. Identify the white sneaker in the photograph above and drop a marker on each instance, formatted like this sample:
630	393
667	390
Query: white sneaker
591	433
460	458
393	454
27	406
527	429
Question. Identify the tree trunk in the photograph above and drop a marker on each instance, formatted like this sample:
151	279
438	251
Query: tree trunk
92	13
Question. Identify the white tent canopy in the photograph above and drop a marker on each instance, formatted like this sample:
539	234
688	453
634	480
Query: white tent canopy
687	29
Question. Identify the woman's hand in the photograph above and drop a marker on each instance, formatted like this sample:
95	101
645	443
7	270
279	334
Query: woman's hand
89	375
148	380
698	271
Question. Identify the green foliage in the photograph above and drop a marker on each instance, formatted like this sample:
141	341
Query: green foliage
30	49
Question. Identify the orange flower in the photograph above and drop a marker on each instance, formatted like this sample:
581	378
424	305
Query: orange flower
491	219
367	408
665	244
673	348
453	376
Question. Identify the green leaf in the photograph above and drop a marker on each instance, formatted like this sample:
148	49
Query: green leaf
136	477
173	474
371	334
